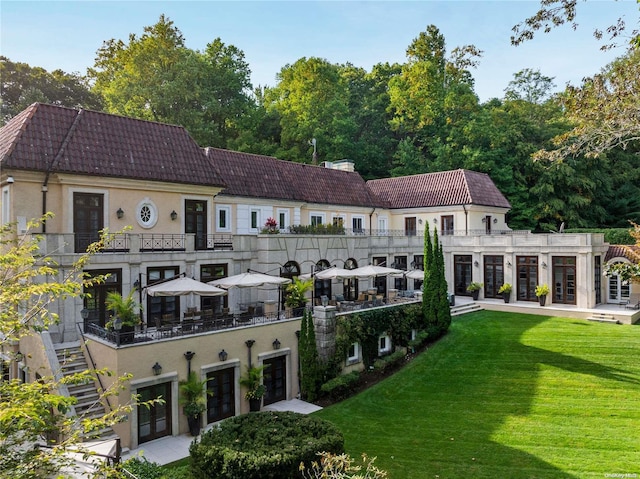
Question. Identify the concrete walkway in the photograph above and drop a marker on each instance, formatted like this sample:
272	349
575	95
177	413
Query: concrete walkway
173	448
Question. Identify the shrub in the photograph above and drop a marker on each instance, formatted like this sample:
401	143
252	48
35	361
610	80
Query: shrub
390	360
262	445
338	387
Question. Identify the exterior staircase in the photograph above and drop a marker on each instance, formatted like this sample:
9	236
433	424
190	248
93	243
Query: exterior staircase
603	318
71	360
465	308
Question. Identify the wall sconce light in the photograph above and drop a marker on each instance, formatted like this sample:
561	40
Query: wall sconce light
157	369
19	357
495	220
10	179
484	220
84	313
249	343
420	221
189	356
476	264
120	213
276	344
435	221
174	215
544	265
223	355
509	264
298	334
136	285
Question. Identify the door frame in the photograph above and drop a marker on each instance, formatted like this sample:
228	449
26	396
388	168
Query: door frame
286	352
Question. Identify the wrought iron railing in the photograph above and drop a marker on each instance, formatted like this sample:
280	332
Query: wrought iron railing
162	242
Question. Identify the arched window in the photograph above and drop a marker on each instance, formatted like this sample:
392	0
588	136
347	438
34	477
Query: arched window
618	290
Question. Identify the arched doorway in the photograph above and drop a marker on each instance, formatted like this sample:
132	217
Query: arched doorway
350	285
321	287
290	270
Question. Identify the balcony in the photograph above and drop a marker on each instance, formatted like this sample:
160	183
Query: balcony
70	243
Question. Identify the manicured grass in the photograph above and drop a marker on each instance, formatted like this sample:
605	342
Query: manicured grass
506	396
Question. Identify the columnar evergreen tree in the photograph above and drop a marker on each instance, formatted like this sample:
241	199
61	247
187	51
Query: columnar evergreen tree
442	307
310	370
429	298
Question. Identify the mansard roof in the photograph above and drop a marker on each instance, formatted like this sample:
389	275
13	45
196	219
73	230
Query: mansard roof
259	176
58	139
445	188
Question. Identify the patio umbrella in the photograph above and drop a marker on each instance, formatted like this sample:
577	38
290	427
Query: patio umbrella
372	271
415	274
184	286
335	273
250	279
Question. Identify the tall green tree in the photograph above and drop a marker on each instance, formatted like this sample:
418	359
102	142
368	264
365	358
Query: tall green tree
312	100
21	85
433	92
310	367
155	77
35	413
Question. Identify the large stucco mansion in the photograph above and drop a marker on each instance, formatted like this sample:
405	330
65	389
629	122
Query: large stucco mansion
178	209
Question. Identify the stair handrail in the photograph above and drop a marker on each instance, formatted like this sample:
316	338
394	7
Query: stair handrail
93	365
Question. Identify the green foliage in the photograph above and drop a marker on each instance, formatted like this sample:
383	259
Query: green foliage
155	77
620	236
505	288
339	387
34	412
542	290
311	370
365	327
333	466
21	85
192	395
142	468
123	308
392	359
296	292
252	380
474	286
322	229
265	444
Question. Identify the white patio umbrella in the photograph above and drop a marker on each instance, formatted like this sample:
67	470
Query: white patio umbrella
415	274
372	271
250	279
335	273
184	286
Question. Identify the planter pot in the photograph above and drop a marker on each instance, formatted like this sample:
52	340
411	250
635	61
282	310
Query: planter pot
506	297
194	425
542	299
254	404
475	294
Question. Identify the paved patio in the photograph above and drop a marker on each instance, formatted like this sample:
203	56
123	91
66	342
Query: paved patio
173	448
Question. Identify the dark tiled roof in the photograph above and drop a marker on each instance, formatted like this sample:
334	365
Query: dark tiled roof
444	188
92	143
622	251
258	176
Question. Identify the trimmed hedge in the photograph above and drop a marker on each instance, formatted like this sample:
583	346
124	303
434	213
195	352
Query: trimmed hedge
262	445
339	387
390	360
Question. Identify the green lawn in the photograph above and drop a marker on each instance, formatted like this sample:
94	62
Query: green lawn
506	396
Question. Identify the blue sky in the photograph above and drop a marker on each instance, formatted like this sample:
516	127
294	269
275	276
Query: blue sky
67	34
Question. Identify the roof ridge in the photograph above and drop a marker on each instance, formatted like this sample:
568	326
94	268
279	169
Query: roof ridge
64	144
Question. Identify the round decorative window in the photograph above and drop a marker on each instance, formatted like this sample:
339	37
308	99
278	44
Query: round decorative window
147	213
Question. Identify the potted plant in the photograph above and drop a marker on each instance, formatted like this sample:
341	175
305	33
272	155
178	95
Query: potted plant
296	294
125	313
252	380
270	227
505	291
542	290
474	288
193	401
